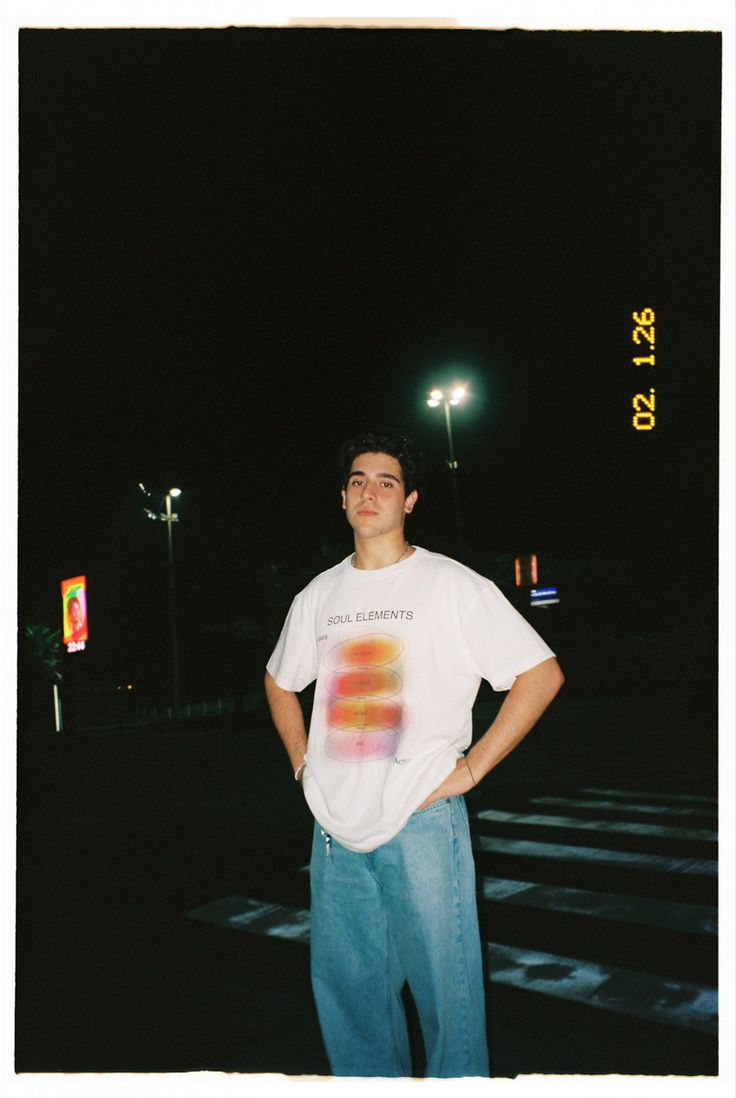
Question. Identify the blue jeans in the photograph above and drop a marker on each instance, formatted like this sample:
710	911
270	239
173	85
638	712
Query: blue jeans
405	912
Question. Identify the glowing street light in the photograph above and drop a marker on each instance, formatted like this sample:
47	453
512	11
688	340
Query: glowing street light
168	516
450	399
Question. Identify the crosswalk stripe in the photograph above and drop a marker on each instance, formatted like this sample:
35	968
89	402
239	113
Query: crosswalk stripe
637	910
692	798
616	806
525	848
606	987
573	822
240	913
636	993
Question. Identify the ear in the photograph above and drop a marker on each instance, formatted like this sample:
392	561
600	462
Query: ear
410	500
342	496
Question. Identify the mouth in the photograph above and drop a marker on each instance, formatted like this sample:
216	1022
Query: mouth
367	514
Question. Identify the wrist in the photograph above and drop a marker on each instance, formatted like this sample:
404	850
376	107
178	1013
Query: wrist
300	770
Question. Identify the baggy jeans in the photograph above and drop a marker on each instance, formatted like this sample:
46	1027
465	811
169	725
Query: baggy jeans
404	912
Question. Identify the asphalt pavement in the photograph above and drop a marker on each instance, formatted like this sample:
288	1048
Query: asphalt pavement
163	897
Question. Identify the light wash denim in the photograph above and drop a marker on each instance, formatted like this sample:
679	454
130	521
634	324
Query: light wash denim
403	912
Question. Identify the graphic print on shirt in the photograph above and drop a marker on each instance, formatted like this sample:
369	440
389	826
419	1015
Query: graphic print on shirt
365	714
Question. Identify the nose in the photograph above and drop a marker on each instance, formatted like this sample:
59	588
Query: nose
368	492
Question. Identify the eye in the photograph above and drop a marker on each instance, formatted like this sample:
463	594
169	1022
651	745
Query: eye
388	484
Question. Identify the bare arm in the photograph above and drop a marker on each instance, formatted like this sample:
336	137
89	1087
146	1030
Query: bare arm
287	715
524	704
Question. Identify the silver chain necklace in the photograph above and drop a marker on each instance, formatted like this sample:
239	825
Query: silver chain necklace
406	550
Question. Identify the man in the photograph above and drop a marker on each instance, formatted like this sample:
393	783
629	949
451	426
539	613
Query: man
398	639
76	625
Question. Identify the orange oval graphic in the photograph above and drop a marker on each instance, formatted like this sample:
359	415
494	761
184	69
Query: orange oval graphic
364	681
364	714
370	650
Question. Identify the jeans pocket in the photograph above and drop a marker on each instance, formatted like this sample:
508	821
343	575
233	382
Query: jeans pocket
434	804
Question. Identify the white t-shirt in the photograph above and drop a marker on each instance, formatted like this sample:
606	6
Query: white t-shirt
398	654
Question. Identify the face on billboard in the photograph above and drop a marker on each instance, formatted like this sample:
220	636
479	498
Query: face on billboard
74	602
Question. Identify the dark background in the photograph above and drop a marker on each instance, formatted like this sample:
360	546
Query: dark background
239	246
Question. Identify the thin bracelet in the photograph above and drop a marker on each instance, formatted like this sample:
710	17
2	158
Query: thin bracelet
298	771
469	770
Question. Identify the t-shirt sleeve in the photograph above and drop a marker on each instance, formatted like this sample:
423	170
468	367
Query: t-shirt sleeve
502	644
293	663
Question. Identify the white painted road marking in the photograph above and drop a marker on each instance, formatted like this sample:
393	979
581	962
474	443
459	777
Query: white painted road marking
637	910
272	920
616	806
606	987
657	863
573	822
685	798
636	993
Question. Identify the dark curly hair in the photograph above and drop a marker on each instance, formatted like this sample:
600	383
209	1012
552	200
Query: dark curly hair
406	452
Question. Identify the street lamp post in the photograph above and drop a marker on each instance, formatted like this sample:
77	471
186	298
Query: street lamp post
169	517
450	400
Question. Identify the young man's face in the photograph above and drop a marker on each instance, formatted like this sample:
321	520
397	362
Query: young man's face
374	498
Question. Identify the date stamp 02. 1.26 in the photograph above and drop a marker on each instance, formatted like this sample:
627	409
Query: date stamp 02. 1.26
644	404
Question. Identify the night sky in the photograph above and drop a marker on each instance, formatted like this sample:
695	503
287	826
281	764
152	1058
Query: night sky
240	246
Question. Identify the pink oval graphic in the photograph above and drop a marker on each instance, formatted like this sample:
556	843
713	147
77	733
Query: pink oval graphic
363	747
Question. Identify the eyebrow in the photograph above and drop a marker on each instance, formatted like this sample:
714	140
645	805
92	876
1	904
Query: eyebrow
379	476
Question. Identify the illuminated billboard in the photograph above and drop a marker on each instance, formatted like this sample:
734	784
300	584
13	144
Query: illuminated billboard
544	596
74	612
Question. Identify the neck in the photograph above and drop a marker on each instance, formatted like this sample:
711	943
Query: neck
377	553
